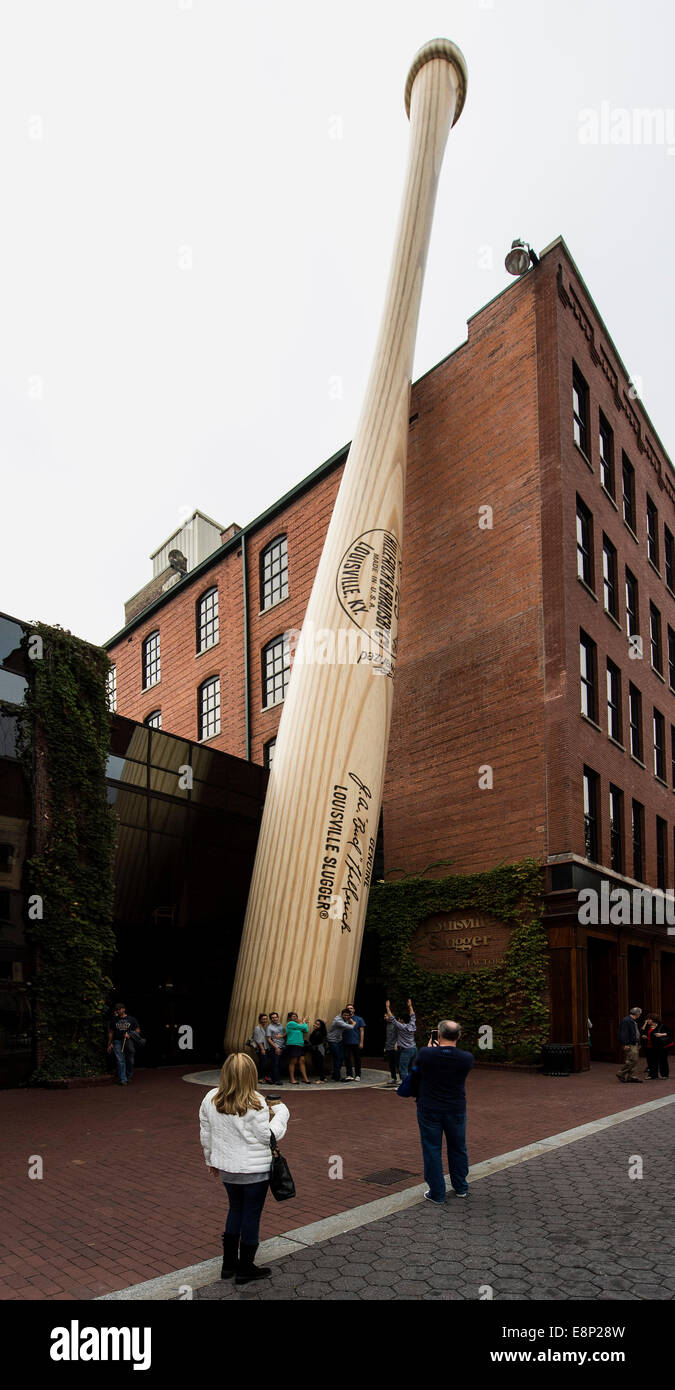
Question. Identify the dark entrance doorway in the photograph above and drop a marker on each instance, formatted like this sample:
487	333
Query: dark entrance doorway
668	990
602	998
637	969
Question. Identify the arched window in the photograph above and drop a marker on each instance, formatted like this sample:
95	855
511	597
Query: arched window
207	620
111	686
276	669
151	666
154	720
274	573
208	708
268	752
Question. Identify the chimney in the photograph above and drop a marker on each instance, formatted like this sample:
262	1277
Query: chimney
229	532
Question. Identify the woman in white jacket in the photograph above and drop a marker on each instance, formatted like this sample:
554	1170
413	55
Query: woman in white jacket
235	1124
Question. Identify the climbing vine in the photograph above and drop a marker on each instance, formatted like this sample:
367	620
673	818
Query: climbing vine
510	997
64	744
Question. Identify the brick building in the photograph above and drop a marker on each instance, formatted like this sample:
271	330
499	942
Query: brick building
534	712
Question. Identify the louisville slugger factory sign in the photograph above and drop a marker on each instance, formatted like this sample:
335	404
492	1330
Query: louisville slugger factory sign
450	941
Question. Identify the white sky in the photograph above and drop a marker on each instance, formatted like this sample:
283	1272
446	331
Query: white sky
132	390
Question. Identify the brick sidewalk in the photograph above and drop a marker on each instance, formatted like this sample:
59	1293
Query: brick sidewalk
125	1195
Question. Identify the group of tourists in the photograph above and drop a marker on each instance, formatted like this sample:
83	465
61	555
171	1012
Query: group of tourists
658	1044
239	1127
337	1046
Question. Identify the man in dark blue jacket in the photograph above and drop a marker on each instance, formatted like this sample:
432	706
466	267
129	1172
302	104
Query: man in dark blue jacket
440	1071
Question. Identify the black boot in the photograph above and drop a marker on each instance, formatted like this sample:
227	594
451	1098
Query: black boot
230	1249
246	1270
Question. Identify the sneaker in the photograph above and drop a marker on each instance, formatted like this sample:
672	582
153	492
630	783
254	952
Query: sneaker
429	1198
356	1078
461	1194
348	1078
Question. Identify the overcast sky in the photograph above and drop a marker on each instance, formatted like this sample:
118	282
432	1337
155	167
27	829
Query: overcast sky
199	202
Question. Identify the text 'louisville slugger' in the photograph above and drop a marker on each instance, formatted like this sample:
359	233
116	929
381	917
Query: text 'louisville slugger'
304	921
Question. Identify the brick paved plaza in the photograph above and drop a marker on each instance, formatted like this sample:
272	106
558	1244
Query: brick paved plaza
125	1196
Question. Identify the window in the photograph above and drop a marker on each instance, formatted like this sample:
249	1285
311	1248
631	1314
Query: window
661	853
659	725
652	532
632	605
609	577
111	688
151	666
671	657
268	752
672	755
655	638
208	708
276	669
614	702
207	620
591	836
154	720
606	456
587	661
616	829
669	556
6	858
580	409
584	543
638	829
635	718
628	480
274	573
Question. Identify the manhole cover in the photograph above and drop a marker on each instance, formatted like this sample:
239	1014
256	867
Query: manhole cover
386	1177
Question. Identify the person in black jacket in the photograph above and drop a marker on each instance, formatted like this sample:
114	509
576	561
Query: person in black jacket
629	1037
439	1073
659	1042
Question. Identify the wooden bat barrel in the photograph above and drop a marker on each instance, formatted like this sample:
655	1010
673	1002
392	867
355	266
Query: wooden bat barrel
304	921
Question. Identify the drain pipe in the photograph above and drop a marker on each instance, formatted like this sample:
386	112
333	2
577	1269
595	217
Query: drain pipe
244	580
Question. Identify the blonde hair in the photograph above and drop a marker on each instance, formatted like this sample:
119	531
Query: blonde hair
237	1089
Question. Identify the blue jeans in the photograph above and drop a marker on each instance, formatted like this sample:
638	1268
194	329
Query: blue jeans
406	1058
338	1058
246	1203
124	1060
452	1124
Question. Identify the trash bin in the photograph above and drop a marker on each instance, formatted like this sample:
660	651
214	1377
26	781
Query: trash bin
558	1059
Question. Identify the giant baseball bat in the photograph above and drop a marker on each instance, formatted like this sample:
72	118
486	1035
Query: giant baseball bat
304	920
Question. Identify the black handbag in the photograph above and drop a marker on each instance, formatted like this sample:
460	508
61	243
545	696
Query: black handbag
281	1182
136	1038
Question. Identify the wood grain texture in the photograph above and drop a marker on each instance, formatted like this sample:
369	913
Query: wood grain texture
304	922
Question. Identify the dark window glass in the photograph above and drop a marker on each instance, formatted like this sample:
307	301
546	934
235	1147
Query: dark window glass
587	661
580	411
606	455
207	620
268	752
8	735
669	557
11	636
614	702
671	657
591	835
655	638
635	716
659	726
616	829
661	853
609	577
208	697
672	755
274	573
628	481
584	544
652	532
638	829
151	666
632	605
6	857
12	687
276	669
154	720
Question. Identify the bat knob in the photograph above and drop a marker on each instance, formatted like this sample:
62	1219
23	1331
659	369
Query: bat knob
439	48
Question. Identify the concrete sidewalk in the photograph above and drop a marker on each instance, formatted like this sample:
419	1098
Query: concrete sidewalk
125	1197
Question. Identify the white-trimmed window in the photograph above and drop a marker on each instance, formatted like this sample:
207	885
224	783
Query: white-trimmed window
276	669
208	708
274	573
111	689
207	620
154	720
268	752
151	665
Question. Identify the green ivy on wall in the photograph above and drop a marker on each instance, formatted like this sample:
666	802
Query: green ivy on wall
510	997
65	741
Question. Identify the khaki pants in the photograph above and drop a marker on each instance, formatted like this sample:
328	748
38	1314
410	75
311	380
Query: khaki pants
630	1061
